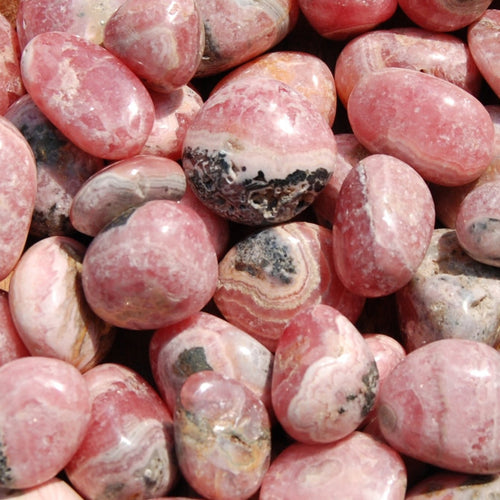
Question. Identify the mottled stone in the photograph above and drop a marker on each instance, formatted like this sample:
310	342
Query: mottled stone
207	342
151	266
340	20
382	226
222	437
325	378
122	185
88	94
271	275
128	450
44	414
441	130
11	345
358	466
440	405
262	174
48	306
304	72
160	41
61	166
443	15
237	31
85	18
440	54
17	194
450	296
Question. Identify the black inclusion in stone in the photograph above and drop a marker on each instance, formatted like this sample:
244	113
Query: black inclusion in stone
370	380
191	361
264	255
6	478
120	220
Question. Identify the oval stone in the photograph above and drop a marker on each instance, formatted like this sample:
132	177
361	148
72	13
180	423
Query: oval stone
441	405
439	129
88	94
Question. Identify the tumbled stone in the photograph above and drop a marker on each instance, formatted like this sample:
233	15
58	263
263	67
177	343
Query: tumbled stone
11	345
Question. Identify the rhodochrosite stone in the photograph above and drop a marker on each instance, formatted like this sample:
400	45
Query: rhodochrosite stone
122	185
53	489
324	377
222	437
439	54
478	223
258	152
450	295
438	128
161	41
358	466
88	94
237	31
443	15
61	166
304	72
482	38
48	306
17	194
85	18
271	275
128	450
44	413
11	345
382	226
151	266
440	405
341	19
206	342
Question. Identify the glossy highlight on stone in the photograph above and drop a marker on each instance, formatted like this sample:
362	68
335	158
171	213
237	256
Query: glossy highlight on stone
222	437
151	266
122	185
48	306
271	275
44	413
440	406
325	378
438	128
128	450
88	93
269	157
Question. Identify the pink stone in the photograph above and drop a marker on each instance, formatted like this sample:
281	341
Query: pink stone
174	112
11	345
53	489
349	152
128	450
478	223
450	296
442	15
438	128
85	18
206	342
61	166
237	31
17	194
258	175
11	84
124	184
44	413
48	307
383	223
103	108
482	37
440	54
304	72
160	41
222	437
152	266
358	466
324	377
440	405
341	19
271	275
